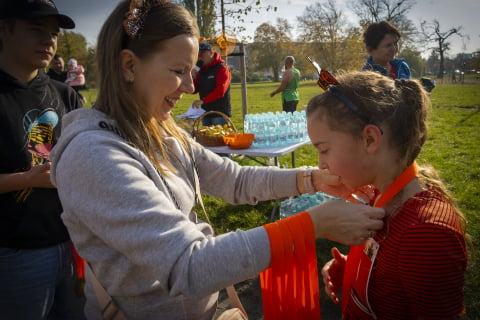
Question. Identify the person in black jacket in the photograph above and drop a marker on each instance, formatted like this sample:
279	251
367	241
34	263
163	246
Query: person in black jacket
37	264
57	69
212	82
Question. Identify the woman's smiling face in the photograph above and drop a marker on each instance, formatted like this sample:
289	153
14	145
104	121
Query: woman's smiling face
160	79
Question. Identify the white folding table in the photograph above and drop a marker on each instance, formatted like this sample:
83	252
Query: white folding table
271	152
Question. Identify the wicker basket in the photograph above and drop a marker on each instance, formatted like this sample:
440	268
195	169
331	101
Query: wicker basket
209	141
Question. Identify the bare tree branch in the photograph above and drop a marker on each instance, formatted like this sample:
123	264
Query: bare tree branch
432	34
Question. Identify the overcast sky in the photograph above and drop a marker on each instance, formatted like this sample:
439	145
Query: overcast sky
89	16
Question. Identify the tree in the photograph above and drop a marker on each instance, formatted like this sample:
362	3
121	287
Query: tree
394	11
333	43
239	9
206	13
91	72
432	34
475	61
370	11
271	46
414	60
432	63
72	45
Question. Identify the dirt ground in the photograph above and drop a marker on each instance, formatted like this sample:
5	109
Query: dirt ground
251	297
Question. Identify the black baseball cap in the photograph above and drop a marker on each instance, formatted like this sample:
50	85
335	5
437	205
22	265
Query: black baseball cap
204	46
33	9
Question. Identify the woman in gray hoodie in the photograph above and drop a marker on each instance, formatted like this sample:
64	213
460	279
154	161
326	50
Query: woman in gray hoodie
128	179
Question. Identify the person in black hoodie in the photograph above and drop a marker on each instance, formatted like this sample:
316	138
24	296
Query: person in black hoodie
57	69
37	264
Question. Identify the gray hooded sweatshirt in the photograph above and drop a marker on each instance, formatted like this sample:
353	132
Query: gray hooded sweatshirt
157	261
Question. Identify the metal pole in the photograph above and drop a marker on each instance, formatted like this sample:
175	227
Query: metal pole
243	76
224	50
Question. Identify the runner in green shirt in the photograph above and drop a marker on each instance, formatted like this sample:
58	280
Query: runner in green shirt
289	86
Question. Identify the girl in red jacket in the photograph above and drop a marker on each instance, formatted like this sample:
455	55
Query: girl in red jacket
369	129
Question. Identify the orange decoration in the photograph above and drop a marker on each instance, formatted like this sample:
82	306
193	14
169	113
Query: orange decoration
290	287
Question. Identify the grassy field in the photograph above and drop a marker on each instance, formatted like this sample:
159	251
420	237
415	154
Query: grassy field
452	148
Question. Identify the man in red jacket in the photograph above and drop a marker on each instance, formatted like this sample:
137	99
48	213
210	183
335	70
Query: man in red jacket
212	82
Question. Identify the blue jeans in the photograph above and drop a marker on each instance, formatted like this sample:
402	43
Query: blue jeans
38	284
211	121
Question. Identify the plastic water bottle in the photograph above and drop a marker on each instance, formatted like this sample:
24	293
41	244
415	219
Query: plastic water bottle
246	123
294	205
276	129
254	128
282	128
271	130
302	126
260	132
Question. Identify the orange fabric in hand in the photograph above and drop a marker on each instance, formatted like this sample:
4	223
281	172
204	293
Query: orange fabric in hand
290	288
355	253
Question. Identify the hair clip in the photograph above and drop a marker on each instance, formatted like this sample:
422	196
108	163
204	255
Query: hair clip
135	17
328	82
325	78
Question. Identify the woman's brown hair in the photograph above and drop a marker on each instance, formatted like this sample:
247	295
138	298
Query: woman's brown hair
375	32
164	21
398	107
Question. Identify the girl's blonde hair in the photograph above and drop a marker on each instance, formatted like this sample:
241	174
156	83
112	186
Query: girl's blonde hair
398	107
115	98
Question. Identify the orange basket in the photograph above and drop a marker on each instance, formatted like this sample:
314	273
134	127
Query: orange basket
239	140
200	133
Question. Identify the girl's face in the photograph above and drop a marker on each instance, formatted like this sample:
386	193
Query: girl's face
387	49
340	153
162	78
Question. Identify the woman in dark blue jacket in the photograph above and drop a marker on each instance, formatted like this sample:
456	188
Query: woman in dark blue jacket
381	40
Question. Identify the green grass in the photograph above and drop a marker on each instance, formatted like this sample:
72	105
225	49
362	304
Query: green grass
452	148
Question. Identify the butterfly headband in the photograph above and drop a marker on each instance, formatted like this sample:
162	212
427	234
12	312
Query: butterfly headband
135	17
327	82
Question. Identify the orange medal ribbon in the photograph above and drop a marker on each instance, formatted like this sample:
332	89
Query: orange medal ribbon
397	185
290	287
355	253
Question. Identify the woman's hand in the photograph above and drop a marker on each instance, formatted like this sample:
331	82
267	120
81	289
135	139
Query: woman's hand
346	222
332	273
197	103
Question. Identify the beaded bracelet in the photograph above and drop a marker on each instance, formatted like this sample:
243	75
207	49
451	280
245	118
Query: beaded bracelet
307	181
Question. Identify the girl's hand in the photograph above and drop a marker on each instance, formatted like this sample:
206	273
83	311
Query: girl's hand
323	180
332	273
